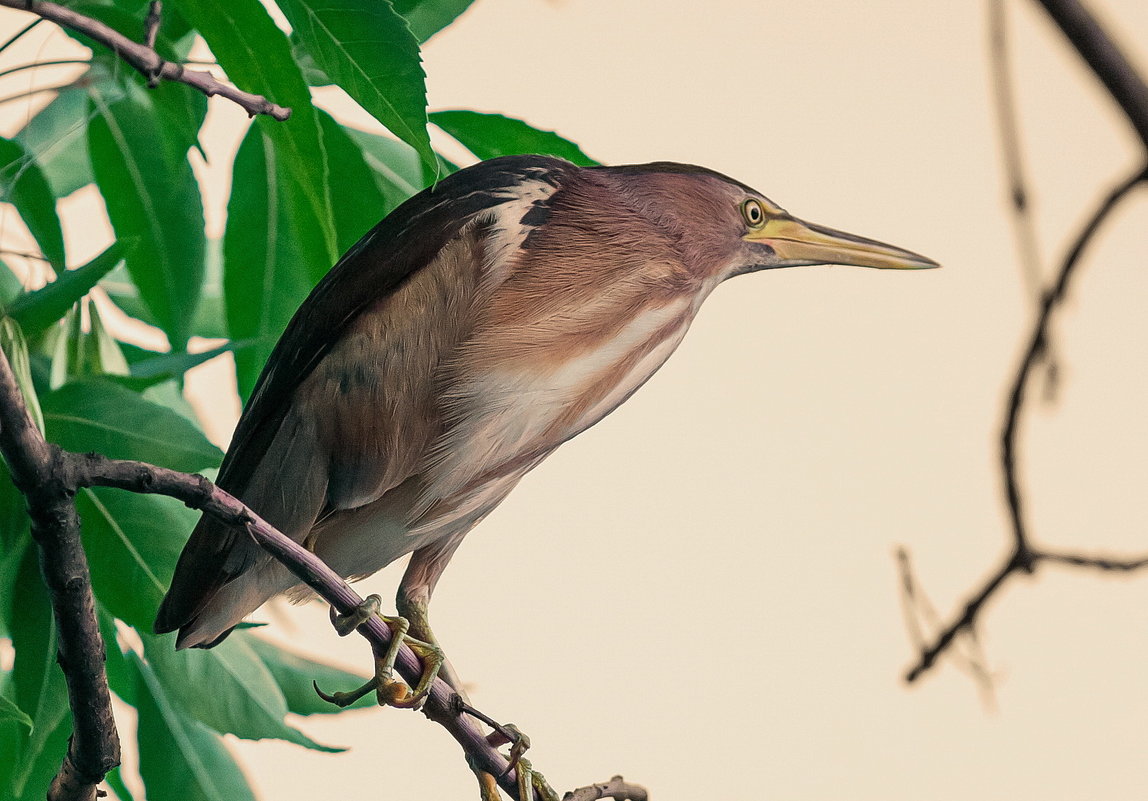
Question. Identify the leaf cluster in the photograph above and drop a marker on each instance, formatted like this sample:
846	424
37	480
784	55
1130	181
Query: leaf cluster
302	192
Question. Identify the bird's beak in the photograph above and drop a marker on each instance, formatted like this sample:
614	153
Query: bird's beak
798	243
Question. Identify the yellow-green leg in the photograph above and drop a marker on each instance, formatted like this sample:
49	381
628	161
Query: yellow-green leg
388	690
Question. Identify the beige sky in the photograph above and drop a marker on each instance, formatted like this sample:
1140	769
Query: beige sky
700	592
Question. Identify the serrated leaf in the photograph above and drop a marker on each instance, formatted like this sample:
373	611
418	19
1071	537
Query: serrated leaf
257	56
180	758
228	689
295	673
491	135
24	186
428	17
35	311
9	711
268	263
152	197
367	48
99	415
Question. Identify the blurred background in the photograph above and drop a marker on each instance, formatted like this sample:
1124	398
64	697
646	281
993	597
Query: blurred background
701	593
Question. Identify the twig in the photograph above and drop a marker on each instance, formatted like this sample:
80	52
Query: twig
1105	58
145	59
55	62
197	492
39	471
1011	154
616	788
1025	557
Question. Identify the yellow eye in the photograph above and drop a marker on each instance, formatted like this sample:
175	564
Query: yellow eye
753	213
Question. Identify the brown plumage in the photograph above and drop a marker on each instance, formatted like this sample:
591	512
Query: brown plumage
475	329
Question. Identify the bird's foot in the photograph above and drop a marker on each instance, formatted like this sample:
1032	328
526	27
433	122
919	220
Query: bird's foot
389	690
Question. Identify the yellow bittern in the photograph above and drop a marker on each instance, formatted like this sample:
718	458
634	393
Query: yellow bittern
475	329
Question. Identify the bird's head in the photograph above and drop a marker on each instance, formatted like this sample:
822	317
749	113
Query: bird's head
725	228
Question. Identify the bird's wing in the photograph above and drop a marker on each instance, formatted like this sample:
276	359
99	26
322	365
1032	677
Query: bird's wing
277	451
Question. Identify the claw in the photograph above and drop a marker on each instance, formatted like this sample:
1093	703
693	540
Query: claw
389	691
345	624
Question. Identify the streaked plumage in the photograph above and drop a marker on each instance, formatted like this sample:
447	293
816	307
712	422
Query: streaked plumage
469	334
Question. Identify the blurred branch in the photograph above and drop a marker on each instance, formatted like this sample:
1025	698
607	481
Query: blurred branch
40	471
1007	125
144	58
1025	557
1105	59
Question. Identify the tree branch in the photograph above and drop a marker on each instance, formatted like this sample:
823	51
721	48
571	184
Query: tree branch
1025	557
1105	59
145	59
39	471
443	703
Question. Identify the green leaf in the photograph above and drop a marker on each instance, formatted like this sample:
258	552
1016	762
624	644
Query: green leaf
24	186
152	197
268	262
257	56
428	17
15	347
97	415
158	367
121	679
490	135
360	204
180	758
37	681
57	137
397	169
228	688
133	542
9	711
116	783
209	320
294	674
35	311
370	52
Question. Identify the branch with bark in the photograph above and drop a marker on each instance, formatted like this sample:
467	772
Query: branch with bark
49	478
1130	92
143	56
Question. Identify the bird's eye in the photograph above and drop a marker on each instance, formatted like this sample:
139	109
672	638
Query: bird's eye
753	212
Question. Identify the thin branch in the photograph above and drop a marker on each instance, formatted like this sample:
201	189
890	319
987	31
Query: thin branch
1110	564
55	62
151	24
443	703
19	34
1025	557
1105	59
37	469
145	59
1011	154
616	788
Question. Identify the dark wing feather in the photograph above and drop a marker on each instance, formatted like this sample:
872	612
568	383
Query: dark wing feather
403	243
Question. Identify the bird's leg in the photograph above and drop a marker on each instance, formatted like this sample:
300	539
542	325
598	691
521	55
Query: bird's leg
388	690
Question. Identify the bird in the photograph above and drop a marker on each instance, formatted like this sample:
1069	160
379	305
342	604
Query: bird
481	324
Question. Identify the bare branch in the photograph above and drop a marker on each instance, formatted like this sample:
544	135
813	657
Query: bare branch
146	59
616	788
1025	557
38	471
443	705
1005	106
1105	59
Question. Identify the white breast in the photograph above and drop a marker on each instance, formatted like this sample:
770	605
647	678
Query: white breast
506	418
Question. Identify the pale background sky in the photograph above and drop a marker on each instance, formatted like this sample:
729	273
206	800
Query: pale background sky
700	593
